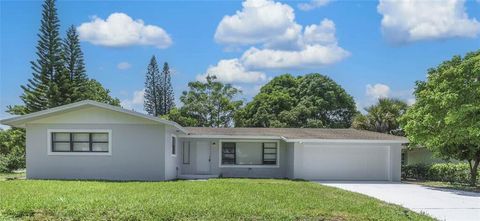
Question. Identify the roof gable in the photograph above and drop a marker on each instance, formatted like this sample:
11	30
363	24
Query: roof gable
57	112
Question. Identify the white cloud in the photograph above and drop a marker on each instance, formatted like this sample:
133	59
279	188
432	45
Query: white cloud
276	40
230	71
317	47
124	65
411	101
323	33
313	4
259	22
136	102
377	91
120	30
310	56
413	20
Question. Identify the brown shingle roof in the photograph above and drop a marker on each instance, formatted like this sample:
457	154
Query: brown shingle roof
296	133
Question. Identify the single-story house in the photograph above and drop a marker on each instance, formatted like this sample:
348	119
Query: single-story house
91	140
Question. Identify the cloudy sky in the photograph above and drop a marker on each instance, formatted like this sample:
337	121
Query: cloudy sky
371	48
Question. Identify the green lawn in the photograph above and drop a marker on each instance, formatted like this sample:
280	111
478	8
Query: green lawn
217	199
12	176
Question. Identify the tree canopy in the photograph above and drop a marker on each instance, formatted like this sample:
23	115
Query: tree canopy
207	104
446	115
382	117
313	100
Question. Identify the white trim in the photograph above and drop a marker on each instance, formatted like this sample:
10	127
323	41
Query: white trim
231	137
247	166
19	121
49	142
345	141
176	145
293	140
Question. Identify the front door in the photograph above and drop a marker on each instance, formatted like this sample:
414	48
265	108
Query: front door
203	157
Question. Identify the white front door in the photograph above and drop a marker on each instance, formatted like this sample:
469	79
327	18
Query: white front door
203	157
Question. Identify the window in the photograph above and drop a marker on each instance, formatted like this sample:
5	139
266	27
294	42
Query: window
186	152
228	153
249	153
80	142
174	145
270	153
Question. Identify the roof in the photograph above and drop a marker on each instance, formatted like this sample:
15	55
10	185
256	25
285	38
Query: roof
287	134
294	134
20	121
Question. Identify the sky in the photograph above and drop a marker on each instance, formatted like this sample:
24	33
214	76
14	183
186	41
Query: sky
371	48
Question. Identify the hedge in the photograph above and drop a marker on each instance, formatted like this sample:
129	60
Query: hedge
447	172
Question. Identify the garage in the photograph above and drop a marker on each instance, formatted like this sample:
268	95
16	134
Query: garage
343	161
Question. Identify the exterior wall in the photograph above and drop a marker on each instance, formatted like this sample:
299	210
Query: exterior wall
382	161
395	162
254	171
423	156
171	163
290	160
138	148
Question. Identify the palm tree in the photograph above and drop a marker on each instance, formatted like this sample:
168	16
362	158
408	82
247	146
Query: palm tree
382	117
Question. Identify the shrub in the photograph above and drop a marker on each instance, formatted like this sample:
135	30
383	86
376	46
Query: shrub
446	172
12	161
417	171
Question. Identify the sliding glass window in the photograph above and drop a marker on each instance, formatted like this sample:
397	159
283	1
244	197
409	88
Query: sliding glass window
80	142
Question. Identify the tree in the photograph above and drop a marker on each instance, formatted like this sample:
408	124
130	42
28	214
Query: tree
446	115
382	117
74	65
209	104
48	86
96	91
313	100
153	90
168	97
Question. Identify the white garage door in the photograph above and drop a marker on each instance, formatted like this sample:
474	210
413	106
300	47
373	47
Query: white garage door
343	162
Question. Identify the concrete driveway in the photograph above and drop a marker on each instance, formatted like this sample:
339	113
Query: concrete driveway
442	204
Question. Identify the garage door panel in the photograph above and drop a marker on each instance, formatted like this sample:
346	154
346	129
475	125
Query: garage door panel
344	162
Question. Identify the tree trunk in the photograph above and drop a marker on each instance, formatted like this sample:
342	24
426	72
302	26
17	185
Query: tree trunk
474	171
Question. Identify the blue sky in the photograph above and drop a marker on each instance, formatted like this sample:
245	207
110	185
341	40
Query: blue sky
371	48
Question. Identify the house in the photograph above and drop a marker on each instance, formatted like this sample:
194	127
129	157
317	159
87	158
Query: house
421	155
91	140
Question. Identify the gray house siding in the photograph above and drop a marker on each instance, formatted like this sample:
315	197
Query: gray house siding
215	169
290	160
171	163
137	154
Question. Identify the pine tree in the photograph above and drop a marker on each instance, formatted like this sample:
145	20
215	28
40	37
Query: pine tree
75	66
43	90
153	89
168	99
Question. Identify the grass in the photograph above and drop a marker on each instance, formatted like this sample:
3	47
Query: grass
448	185
12	176
217	199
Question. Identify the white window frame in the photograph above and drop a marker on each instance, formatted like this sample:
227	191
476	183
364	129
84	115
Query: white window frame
49	142
248	166
176	145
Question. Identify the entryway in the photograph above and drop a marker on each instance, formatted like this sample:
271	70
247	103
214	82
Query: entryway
203	157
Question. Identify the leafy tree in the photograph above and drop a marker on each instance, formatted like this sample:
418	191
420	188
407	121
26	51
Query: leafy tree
382	117
48	86
209	104
12	149
153	90
313	100
75	66
446	115
96	91
168	97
